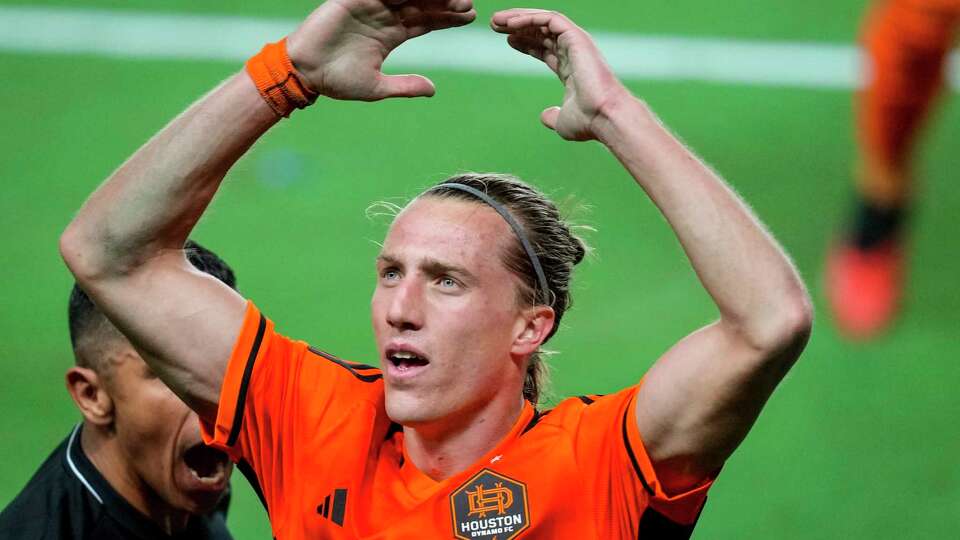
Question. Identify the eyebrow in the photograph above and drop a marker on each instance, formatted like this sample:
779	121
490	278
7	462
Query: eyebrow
388	260
431	266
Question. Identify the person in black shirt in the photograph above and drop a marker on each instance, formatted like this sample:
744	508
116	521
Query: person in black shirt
135	467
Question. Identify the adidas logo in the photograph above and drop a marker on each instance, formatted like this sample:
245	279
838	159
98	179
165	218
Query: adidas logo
334	510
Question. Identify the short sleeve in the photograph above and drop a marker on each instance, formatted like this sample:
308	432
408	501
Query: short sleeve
247	350
275	390
611	452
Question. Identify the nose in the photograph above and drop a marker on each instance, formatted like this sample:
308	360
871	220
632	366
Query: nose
405	311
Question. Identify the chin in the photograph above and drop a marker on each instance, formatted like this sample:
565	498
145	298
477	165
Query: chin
201	503
408	410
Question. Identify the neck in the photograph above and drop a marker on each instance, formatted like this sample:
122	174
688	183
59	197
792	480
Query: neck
443	449
101	448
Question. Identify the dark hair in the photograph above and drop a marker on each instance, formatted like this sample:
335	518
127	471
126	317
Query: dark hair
557	248
89	327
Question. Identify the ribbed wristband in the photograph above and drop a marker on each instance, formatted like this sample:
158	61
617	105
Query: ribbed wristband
281	86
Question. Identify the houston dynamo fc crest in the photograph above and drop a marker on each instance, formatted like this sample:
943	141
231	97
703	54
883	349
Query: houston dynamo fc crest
489	506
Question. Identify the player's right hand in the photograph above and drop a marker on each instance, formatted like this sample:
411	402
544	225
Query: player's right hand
342	45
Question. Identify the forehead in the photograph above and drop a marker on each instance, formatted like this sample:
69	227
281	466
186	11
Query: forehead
449	230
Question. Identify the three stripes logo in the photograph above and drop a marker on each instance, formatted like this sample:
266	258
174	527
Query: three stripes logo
335	509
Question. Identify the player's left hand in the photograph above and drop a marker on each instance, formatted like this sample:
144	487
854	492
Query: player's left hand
591	87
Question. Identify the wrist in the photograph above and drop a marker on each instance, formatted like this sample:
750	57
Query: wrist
618	114
301	61
278	81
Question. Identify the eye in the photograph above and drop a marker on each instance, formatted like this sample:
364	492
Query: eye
390	274
448	282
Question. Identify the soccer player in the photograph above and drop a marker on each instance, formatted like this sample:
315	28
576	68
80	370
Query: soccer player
907	42
135	467
446	439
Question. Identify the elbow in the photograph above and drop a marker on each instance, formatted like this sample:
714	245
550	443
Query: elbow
81	255
96	256
784	330
797	324
72	251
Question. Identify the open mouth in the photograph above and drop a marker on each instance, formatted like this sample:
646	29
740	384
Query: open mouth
405	361
207	465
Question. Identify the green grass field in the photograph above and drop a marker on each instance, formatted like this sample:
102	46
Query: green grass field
860	441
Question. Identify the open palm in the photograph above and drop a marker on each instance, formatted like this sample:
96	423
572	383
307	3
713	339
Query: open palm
341	47
589	84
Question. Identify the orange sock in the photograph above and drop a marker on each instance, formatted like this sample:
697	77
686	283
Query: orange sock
281	86
906	43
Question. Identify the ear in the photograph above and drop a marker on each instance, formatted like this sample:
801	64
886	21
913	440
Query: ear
87	390
537	322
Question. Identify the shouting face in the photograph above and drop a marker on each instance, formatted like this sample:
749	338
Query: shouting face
159	439
451	334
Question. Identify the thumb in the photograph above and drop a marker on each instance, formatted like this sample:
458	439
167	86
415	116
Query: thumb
550	116
404	86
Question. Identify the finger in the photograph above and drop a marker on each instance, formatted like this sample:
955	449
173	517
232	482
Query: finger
413	10
532	33
528	39
551	60
526	46
459	6
511	22
550	116
453	6
500	18
420	23
389	86
536	48
553	22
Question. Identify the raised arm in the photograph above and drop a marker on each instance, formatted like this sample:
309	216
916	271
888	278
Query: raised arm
702	396
125	244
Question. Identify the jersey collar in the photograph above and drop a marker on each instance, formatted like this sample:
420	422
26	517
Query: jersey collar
80	466
419	483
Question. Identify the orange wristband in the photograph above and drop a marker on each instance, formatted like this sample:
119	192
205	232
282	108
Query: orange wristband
281	86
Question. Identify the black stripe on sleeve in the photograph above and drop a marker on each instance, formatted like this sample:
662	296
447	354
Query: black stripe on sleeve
349	366
355	365
251	477
633	457
245	382
587	400
653	524
537	416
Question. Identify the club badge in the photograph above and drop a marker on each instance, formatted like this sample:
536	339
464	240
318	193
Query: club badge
489	506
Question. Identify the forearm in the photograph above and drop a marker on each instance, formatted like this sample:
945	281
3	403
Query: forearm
153	201
753	283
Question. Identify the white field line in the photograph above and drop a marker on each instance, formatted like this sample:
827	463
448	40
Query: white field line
141	35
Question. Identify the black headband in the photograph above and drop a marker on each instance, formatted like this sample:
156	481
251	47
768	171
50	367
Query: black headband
517	230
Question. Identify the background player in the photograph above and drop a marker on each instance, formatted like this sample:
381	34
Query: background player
135	466
907	42
455	326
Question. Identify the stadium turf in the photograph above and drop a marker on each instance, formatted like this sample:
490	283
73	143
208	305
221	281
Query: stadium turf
860	441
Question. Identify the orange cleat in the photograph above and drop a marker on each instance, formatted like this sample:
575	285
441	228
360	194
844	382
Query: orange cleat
864	287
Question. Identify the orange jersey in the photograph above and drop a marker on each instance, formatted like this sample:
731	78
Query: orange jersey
311	432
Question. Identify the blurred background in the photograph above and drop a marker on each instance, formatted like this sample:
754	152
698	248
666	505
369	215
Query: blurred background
861	439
